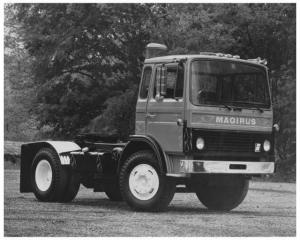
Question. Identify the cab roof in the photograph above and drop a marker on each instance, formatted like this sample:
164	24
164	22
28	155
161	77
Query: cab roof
174	58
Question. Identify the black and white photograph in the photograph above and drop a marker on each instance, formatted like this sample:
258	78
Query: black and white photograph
149	119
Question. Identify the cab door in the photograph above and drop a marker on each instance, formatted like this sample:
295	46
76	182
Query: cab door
141	106
165	115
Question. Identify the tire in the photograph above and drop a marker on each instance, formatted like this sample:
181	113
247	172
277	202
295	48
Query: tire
60	183
142	185
113	192
220	196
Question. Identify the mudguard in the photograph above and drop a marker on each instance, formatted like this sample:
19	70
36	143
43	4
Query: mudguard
141	142
28	152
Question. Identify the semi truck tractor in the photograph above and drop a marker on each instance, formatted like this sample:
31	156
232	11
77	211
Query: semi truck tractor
204	124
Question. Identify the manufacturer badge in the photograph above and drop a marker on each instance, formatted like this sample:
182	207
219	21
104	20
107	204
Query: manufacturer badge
257	147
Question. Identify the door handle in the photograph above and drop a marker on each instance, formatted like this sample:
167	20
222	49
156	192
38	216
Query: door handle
149	115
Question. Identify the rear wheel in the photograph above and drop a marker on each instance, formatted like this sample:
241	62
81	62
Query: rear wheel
142	185
50	181
224	193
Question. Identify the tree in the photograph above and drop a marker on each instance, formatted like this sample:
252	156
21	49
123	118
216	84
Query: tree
84	54
19	123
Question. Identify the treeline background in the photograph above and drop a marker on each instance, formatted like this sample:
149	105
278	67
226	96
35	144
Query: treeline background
71	68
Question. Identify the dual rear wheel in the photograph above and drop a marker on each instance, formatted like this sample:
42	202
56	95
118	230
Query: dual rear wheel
50	181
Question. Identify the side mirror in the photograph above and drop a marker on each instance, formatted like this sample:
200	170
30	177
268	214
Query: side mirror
163	81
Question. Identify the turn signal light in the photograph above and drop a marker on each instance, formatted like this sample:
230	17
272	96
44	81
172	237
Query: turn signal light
267	145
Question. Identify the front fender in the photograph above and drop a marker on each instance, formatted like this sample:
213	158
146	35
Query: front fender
141	142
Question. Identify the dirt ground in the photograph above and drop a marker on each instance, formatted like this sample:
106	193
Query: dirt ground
268	210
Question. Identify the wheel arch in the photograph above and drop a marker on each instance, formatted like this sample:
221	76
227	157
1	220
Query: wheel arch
28	152
140	142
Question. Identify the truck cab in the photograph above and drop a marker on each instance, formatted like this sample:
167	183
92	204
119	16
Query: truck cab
211	113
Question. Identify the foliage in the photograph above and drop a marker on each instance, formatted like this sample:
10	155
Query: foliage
285	115
19	89
118	116
249	30
83	54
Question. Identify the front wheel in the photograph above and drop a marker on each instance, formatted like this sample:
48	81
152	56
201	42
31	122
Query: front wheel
142	185
223	193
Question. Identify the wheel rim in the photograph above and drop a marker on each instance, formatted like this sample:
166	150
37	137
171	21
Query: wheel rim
43	175
143	182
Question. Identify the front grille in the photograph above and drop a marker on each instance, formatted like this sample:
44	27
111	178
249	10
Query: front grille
229	141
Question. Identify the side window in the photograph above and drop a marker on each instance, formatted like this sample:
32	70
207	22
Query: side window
145	82
171	82
174	87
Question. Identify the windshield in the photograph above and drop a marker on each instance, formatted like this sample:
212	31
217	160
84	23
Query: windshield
223	82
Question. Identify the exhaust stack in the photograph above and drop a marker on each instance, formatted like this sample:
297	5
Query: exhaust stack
155	50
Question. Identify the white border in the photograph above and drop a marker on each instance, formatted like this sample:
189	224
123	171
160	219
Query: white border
156	1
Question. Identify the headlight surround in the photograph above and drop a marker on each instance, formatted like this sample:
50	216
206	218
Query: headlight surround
267	145
200	143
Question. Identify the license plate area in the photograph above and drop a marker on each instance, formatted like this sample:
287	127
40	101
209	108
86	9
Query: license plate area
238	166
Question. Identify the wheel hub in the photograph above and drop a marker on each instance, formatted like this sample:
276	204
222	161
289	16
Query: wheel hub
43	175
143	182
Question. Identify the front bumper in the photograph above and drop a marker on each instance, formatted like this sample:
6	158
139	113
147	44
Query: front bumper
225	167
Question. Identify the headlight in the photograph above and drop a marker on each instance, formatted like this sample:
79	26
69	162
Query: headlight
200	143
267	145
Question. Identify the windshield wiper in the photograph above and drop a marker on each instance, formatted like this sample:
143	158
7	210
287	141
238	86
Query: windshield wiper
237	109
249	105
259	109
226	106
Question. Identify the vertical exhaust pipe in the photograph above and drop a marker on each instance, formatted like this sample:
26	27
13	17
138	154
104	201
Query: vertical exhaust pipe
155	50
